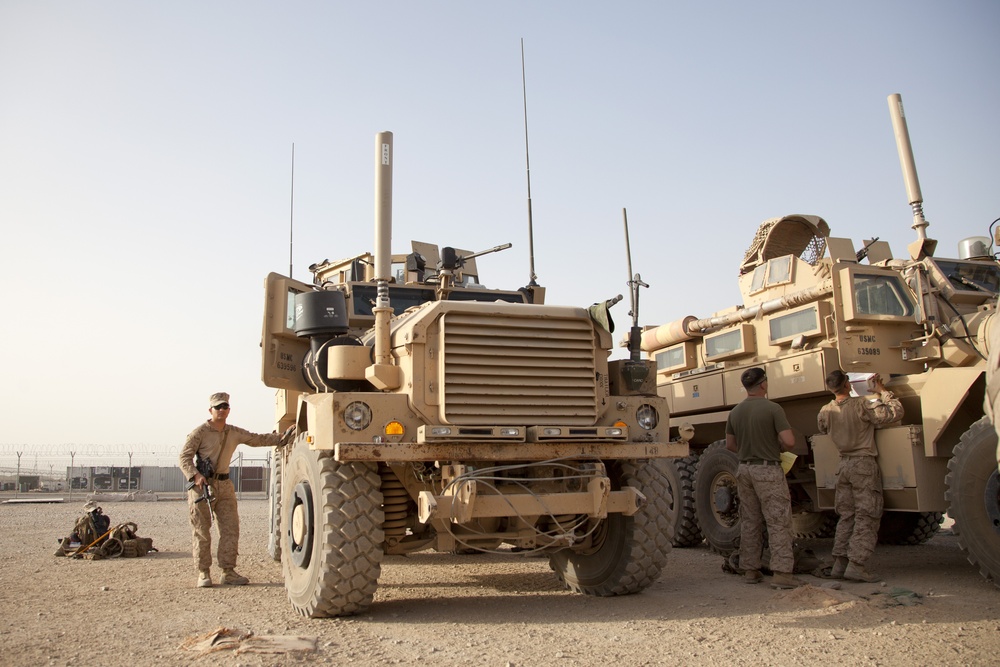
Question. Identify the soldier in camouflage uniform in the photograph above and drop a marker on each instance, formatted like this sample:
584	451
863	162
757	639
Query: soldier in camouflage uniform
217	441
757	430
850	421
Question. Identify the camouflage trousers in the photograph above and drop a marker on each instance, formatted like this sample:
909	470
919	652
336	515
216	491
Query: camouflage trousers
858	501
764	500
226	519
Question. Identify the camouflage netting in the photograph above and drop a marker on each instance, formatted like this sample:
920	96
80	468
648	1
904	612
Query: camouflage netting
801	235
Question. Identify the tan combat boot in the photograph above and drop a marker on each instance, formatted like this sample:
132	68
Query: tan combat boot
839	566
785	580
752	577
857	572
204	579
231	578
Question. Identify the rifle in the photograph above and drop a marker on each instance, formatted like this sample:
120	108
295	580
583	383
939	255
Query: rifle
207	470
861	254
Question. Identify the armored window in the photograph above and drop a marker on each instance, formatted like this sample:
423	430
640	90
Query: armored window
290	309
785	327
880	295
400	298
757	283
669	358
732	343
723	344
486	296
677	358
967	282
779	270
979	277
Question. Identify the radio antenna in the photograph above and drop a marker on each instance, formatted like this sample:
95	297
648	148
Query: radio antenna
527	162
634	283
291	213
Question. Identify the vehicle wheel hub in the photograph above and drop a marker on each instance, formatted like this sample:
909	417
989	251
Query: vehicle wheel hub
300	526
991	497
723	499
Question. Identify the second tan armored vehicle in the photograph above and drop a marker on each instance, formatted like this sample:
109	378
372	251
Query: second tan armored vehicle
813	303
434	413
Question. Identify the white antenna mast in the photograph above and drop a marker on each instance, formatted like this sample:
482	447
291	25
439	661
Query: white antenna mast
291	213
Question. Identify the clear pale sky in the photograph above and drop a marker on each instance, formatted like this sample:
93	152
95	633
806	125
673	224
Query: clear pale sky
145	159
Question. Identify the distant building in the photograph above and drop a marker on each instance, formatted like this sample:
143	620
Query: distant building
157	479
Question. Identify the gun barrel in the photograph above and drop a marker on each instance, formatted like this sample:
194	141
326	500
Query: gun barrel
496	248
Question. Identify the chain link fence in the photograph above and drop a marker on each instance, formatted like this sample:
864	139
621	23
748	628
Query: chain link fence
79	470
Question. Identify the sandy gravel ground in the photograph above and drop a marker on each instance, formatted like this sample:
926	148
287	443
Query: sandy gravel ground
500	610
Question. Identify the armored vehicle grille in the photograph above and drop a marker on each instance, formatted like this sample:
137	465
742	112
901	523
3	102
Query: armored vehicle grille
518	370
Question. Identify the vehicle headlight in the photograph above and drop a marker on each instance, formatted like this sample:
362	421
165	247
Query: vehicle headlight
357	416
647	416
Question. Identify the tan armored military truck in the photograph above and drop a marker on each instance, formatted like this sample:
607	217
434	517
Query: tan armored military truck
813	303
434	413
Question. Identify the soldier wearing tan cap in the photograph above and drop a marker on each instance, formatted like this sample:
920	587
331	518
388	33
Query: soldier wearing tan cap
216	441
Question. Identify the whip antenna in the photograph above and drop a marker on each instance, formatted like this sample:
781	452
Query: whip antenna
634	283
291	213
527	162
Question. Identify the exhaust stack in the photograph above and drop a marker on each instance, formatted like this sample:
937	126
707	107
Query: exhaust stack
923	246
383	375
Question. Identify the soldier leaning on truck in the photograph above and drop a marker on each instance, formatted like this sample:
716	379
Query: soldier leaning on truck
216	441
850	421
758	430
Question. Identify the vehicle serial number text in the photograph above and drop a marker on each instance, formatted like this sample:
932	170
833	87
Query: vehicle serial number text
286	362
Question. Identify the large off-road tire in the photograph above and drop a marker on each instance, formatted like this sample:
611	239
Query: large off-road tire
682	515
814	525
908	527
274	515
717	501
974	497
332	537
628	552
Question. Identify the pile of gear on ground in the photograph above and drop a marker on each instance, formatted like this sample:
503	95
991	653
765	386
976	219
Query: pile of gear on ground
94	538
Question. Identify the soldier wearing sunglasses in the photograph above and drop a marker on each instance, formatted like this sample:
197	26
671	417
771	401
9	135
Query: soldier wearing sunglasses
215	441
